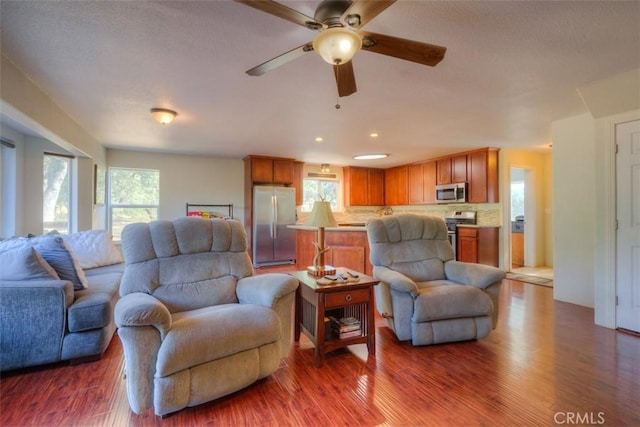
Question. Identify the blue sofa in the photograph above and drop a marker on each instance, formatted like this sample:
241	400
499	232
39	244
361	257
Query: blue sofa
43	319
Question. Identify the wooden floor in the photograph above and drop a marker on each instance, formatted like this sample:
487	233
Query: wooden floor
545	364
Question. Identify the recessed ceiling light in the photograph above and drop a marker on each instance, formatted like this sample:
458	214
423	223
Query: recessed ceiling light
370	156
319	139
374	134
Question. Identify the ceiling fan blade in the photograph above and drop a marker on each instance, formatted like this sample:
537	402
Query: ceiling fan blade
410	50
345	79
366	9
282	11
280	60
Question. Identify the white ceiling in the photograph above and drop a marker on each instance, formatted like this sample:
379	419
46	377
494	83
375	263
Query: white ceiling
511	68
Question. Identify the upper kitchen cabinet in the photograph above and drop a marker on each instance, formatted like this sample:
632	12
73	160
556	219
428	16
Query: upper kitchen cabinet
451	170
422	183
396	186
363	186
459	169
443	171
269	170
482	169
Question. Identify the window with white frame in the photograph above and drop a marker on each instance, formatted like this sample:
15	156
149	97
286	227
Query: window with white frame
134	196
7	187
56	193
320	189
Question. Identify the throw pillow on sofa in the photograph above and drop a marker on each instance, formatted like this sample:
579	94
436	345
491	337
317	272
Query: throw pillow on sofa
25	264
58	253
93	248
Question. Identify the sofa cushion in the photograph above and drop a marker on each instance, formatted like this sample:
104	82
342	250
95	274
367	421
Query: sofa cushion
93	307
61	257
93	248
211	333
25	264
446	300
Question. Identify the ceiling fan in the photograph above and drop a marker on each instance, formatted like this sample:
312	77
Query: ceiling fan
339	38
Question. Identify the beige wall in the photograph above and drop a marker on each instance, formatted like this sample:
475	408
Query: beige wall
188	179
574	204
25	104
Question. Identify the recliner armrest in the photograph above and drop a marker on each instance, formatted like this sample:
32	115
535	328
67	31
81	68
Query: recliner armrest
397	281
265	289
140	309
471	274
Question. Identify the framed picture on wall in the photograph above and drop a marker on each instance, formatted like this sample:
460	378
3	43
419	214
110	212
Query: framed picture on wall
99	185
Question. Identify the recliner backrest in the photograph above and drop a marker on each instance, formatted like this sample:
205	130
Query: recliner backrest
416	246
187	263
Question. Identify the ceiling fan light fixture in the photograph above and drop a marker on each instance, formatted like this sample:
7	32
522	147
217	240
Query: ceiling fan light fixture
337	45
163	116
370	156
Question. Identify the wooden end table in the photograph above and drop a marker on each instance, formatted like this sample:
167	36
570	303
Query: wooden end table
315	301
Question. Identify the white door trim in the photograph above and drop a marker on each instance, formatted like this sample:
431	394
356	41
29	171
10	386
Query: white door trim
605	268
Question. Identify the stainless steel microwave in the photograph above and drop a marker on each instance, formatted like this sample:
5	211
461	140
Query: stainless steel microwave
451	193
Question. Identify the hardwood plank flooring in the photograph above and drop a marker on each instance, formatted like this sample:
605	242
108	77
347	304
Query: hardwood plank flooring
545	364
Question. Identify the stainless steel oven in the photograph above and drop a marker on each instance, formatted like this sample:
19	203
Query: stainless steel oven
453	219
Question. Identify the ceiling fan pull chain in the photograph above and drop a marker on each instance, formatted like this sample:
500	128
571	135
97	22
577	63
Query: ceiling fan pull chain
337	102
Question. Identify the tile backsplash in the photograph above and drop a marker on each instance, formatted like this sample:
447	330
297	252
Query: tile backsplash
487	214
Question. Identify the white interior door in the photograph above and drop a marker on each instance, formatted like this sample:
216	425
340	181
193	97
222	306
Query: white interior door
628	234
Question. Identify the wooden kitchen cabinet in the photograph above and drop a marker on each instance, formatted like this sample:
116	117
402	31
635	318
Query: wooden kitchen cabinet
482	167
459	169
396	186
422	183
348	249
517	249
451	170
429	181
443	171
478	245
363	186
376	187
269	170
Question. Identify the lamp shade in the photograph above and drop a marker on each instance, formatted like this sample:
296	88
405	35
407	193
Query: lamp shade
321	215
337	45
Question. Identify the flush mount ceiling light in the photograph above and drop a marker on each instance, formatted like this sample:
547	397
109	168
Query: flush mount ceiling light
163	116
370	156
337	45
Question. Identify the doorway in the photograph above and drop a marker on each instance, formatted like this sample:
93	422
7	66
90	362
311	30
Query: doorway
522	225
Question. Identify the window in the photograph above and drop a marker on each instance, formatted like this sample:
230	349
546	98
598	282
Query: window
56	193
134	196
314	189
7	187
517	199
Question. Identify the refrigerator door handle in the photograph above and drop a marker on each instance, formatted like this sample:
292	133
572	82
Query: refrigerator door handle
272	217
275	217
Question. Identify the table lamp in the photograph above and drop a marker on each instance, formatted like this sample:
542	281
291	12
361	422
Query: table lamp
321	217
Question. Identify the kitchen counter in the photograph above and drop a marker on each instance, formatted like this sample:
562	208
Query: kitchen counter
326	229
478	226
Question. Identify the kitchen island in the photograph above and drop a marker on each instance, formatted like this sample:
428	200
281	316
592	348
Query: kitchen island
348	243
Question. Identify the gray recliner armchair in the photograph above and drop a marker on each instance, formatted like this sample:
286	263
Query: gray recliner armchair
194	322
424	294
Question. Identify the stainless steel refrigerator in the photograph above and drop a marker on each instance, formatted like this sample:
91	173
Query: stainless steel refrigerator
274	208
